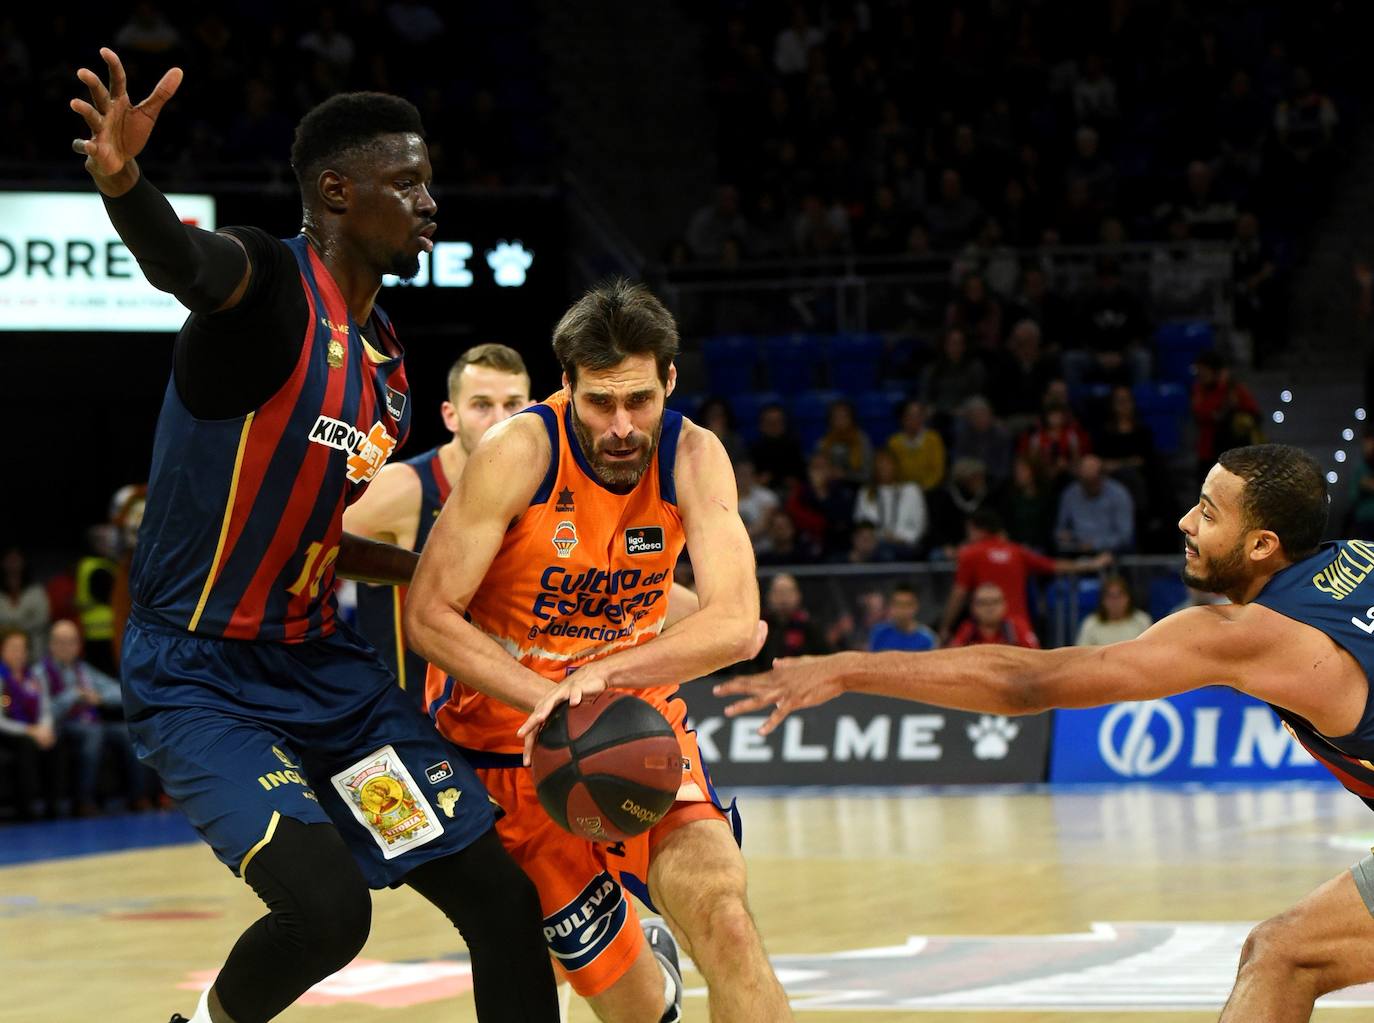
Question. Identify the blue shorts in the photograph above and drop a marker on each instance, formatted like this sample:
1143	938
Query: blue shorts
244	733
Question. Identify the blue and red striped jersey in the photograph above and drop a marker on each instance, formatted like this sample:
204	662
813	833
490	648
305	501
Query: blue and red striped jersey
245	515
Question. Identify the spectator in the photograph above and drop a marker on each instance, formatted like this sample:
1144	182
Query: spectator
821	507
23	602
1254	276
903	630
783	543
148	31
990	622
795	43
976	313
979	435
845	444
821	228
1127	449
920	452
711	225
1226	413
716	416
1056	445
1113	329
1022	375
896	509
1028	507
1209	216
1116	619
1092	171
863	544
964	493
1096	513
1039	302
954	376
82	697
1094	94
885	226
847	631
327	43
1305	122
792	632
954	218
756	502
26	731
989	557
777	454
416	24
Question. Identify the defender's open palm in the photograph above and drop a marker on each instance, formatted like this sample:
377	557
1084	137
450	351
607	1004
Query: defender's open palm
119	129
794	683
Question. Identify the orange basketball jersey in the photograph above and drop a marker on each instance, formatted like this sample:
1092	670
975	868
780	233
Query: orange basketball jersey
584	572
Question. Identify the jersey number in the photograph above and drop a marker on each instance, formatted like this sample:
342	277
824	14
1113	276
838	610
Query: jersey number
314	567
1363	626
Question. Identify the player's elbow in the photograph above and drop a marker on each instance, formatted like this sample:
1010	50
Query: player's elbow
419	619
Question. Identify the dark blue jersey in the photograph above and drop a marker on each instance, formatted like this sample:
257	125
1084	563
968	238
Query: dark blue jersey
379	607
245	515
1333	591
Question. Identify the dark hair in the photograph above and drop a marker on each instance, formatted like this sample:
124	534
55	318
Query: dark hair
713	402
612	322
492	355
987	520
1285	492
343	124
904	588
1114	580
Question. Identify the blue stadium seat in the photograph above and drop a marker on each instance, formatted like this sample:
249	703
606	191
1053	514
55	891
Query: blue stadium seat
1177	347
791	361
1060	594
855	361
1168	430
1165	396
877	412
730	361
1166	593
807	411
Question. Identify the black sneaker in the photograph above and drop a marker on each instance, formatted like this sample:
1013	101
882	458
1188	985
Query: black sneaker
178	1018
664	948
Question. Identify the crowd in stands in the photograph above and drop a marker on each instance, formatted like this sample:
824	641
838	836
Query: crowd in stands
253	68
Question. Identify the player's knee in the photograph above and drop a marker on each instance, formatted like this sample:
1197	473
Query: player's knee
1276	948
719	926
334	920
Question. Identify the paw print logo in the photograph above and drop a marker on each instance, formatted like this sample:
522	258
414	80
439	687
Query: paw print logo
510	261
992	736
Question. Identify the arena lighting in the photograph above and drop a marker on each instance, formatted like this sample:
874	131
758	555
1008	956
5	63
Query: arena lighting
1278	416
1331	477
1347	434
1285	396
1340	456
1359	414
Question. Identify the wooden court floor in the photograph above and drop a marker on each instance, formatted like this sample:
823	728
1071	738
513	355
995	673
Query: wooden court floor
1120	906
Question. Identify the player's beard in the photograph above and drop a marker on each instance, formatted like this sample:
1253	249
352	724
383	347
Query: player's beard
1224	575
621	475
405	265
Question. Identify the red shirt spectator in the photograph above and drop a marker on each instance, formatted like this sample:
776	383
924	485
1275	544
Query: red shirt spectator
992	624
1057	443
1226	413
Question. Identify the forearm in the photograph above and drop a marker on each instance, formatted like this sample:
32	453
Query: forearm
707	641
991	679
370	561
446	639
201	268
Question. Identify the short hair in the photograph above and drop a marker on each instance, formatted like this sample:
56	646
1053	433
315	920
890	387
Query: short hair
906	588
987	520
344	124
494	356
1285	492
612	322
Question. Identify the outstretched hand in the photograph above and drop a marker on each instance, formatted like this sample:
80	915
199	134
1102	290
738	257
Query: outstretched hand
794	683
119	129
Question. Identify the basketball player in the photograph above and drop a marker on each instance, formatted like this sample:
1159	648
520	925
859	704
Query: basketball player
272	724
1299	634
553	560
489	383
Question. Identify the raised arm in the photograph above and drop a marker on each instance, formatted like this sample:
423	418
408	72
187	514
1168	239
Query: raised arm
498	482
207	272
1249	648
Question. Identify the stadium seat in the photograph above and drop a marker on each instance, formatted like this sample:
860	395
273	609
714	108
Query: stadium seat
1177	347
746	409
730	362
1166	593
877	413
791	361
854	361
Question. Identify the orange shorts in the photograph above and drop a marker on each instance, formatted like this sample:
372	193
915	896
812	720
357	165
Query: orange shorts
590	924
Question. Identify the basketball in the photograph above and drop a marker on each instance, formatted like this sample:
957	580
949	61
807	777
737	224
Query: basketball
607	769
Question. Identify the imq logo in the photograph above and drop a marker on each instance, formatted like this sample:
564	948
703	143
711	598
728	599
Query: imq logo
448	266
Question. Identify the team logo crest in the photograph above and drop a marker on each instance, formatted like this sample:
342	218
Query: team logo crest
565	539
448	799
334	355
385	799
286	761
565	500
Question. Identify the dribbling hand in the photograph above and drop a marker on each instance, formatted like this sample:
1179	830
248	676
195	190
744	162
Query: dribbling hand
119	129
572	689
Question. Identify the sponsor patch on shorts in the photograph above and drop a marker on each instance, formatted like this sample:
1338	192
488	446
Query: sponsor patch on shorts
586	926
441	771
387	802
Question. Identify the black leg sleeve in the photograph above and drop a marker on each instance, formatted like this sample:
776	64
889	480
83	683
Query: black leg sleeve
496	909
319	914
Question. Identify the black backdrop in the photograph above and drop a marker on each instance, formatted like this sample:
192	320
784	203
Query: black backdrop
82	407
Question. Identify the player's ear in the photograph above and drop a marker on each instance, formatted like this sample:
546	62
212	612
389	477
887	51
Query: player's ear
567	386
450	413
672	379
333	190
1264	543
